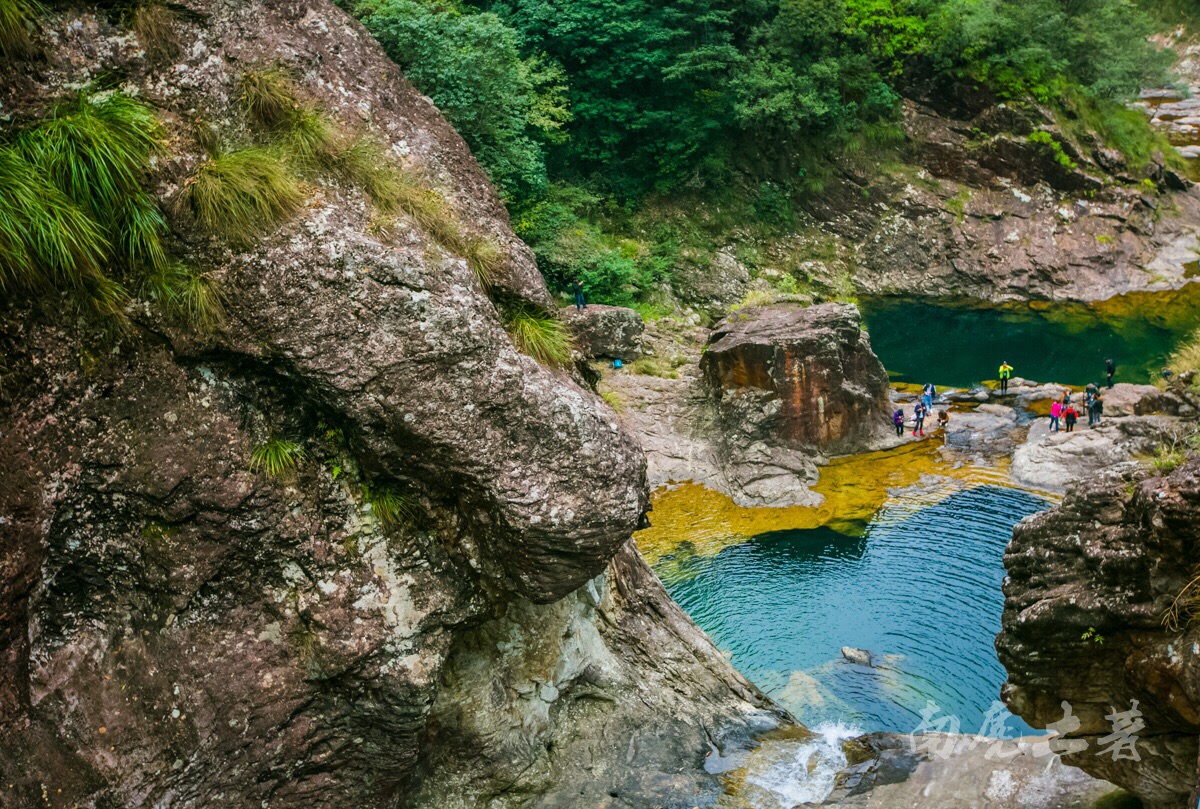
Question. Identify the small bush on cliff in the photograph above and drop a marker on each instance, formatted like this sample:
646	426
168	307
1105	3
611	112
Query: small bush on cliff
240	195
16	19
276	457
546	339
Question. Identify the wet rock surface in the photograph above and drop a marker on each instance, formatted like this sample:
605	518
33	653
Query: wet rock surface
1089	583
942	771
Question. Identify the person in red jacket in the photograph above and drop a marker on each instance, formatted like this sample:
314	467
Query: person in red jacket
1070	416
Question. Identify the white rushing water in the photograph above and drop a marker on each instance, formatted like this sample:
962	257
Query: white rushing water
781	774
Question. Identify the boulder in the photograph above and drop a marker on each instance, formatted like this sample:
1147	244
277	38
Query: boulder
798	376
1124	399
1089	583
614	332
1053	461
860	657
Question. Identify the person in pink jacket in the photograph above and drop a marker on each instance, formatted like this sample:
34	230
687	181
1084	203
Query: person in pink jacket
1055	412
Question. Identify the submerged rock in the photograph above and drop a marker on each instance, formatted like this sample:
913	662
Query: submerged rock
859	657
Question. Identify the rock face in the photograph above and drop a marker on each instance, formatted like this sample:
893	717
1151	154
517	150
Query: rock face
799	376
613	332
176	630
1111	559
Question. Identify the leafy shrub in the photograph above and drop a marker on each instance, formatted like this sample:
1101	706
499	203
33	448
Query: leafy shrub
546	339
241	195
276	457
1046	139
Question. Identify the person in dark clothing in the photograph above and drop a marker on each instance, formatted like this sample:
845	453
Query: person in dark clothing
1110	368
898	420
577	289
919	419
1098	406
1071	416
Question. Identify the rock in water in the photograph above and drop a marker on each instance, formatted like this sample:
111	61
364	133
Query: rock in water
799	376
607	331
860	657
1089	583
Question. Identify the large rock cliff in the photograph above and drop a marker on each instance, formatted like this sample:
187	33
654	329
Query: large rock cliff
1089	585
177	630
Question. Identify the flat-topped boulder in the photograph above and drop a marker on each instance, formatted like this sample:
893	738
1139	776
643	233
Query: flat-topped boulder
614	332
802	376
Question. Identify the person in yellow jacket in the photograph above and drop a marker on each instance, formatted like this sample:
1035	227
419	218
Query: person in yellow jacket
1005	375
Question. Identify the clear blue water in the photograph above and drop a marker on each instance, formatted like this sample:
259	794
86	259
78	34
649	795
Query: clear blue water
920	589
963	343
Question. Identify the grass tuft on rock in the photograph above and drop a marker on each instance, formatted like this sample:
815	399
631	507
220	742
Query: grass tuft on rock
276	457
388	505
154	24
240	195
547	339
188	295
268	98
73	203
16	20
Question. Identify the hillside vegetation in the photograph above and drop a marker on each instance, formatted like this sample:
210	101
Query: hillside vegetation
596	116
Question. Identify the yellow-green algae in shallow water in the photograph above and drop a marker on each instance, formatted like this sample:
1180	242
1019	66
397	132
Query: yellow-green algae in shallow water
854	489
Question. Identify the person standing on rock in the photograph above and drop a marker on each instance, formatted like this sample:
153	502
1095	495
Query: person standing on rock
1005	375
1070	417
1056	409
927	396
898	420
1110	368
919	419
580	300
1097	408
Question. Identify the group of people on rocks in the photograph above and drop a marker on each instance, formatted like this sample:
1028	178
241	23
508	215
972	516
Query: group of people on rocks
921	412
1063	413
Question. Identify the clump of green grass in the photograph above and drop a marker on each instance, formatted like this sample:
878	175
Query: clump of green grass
155	27
268	98
388	505
613	400
652	366
187	294
547	339
16	20
1187	356
73	202
241	195
276	457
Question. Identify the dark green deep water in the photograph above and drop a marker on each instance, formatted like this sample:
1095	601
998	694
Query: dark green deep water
920	588
960	343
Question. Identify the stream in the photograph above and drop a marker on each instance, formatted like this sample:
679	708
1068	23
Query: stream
904	557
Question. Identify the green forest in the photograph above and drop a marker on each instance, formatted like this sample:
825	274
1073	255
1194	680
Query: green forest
594	116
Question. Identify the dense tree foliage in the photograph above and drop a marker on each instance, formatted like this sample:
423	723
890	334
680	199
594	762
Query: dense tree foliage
626	98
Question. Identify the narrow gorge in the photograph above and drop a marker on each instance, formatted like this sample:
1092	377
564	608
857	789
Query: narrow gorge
318	493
